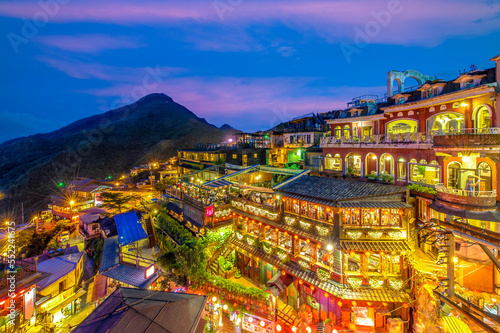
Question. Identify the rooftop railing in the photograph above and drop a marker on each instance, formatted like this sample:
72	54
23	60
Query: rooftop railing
405	139
483	199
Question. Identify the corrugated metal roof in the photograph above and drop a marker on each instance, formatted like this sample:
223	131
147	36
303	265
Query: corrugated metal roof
110	254
129	228
374	204
375	246
57	267
217	183
130	275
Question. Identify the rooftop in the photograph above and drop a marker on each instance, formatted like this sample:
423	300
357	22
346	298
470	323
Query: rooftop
135	310
331	189
57	267
129	228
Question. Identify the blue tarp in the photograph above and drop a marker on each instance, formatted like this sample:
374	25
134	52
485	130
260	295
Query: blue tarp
129	228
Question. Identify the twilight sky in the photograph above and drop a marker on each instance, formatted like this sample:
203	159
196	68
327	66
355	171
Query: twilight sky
249	63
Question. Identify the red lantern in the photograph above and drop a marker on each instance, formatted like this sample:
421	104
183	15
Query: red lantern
296	237
401	212
354	303
248	307
300	281
326	295
405	305
308	241
339	303
384	304
235	304
277	229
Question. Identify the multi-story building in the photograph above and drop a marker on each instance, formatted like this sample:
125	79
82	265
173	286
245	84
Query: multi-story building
330	248
443	135
205	156
290	140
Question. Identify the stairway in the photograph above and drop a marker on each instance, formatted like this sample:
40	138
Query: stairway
224	251
150	230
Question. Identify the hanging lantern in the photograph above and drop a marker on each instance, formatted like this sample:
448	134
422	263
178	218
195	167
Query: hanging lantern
300	281
339	303
354	303
260	223
401	212
384	304
369	303
352	253
235	304
283	273
319	245
405	305
326	295
312	288
308	241
296	237
286	233
277	229
367	253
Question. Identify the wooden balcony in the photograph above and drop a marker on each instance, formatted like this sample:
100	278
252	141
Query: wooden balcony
406	140
469	137
372	233
479	199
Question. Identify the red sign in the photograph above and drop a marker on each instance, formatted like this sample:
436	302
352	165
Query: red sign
209	211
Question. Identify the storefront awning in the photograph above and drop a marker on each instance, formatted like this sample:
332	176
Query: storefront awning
455	325
216	184
485	215
375	246
67	301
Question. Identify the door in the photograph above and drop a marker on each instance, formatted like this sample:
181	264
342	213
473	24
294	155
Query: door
245	160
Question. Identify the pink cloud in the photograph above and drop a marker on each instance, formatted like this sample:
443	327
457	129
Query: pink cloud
89	43
252	103
424	22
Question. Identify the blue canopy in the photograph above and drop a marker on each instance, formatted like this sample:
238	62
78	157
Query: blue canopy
129	228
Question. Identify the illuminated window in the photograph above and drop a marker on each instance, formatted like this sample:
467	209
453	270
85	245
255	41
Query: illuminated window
333	163
347	131
235	156
255	155
401	169
424	173
402	126
483	118
338	132
446	122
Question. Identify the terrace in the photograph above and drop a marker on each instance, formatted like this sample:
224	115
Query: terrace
458	197
419	140
467	137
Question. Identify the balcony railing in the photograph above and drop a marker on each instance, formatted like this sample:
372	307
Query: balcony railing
467	137
404	140
464	197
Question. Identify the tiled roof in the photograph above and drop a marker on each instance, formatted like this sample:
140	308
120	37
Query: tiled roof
375	246
374	204
332	189
334	288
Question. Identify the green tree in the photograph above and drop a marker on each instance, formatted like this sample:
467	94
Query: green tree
116	202
159	187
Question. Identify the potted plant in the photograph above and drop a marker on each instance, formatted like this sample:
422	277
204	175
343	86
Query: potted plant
237	275
371	177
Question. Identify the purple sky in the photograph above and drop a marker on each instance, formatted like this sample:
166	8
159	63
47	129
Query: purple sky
249	63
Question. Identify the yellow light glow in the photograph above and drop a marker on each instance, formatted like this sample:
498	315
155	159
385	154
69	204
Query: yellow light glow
455	260
71	202
214	299
464	105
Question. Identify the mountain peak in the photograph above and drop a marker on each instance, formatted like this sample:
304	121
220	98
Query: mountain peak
155	97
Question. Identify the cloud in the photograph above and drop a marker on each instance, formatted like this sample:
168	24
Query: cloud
92	43
247	103
109	73
424	22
